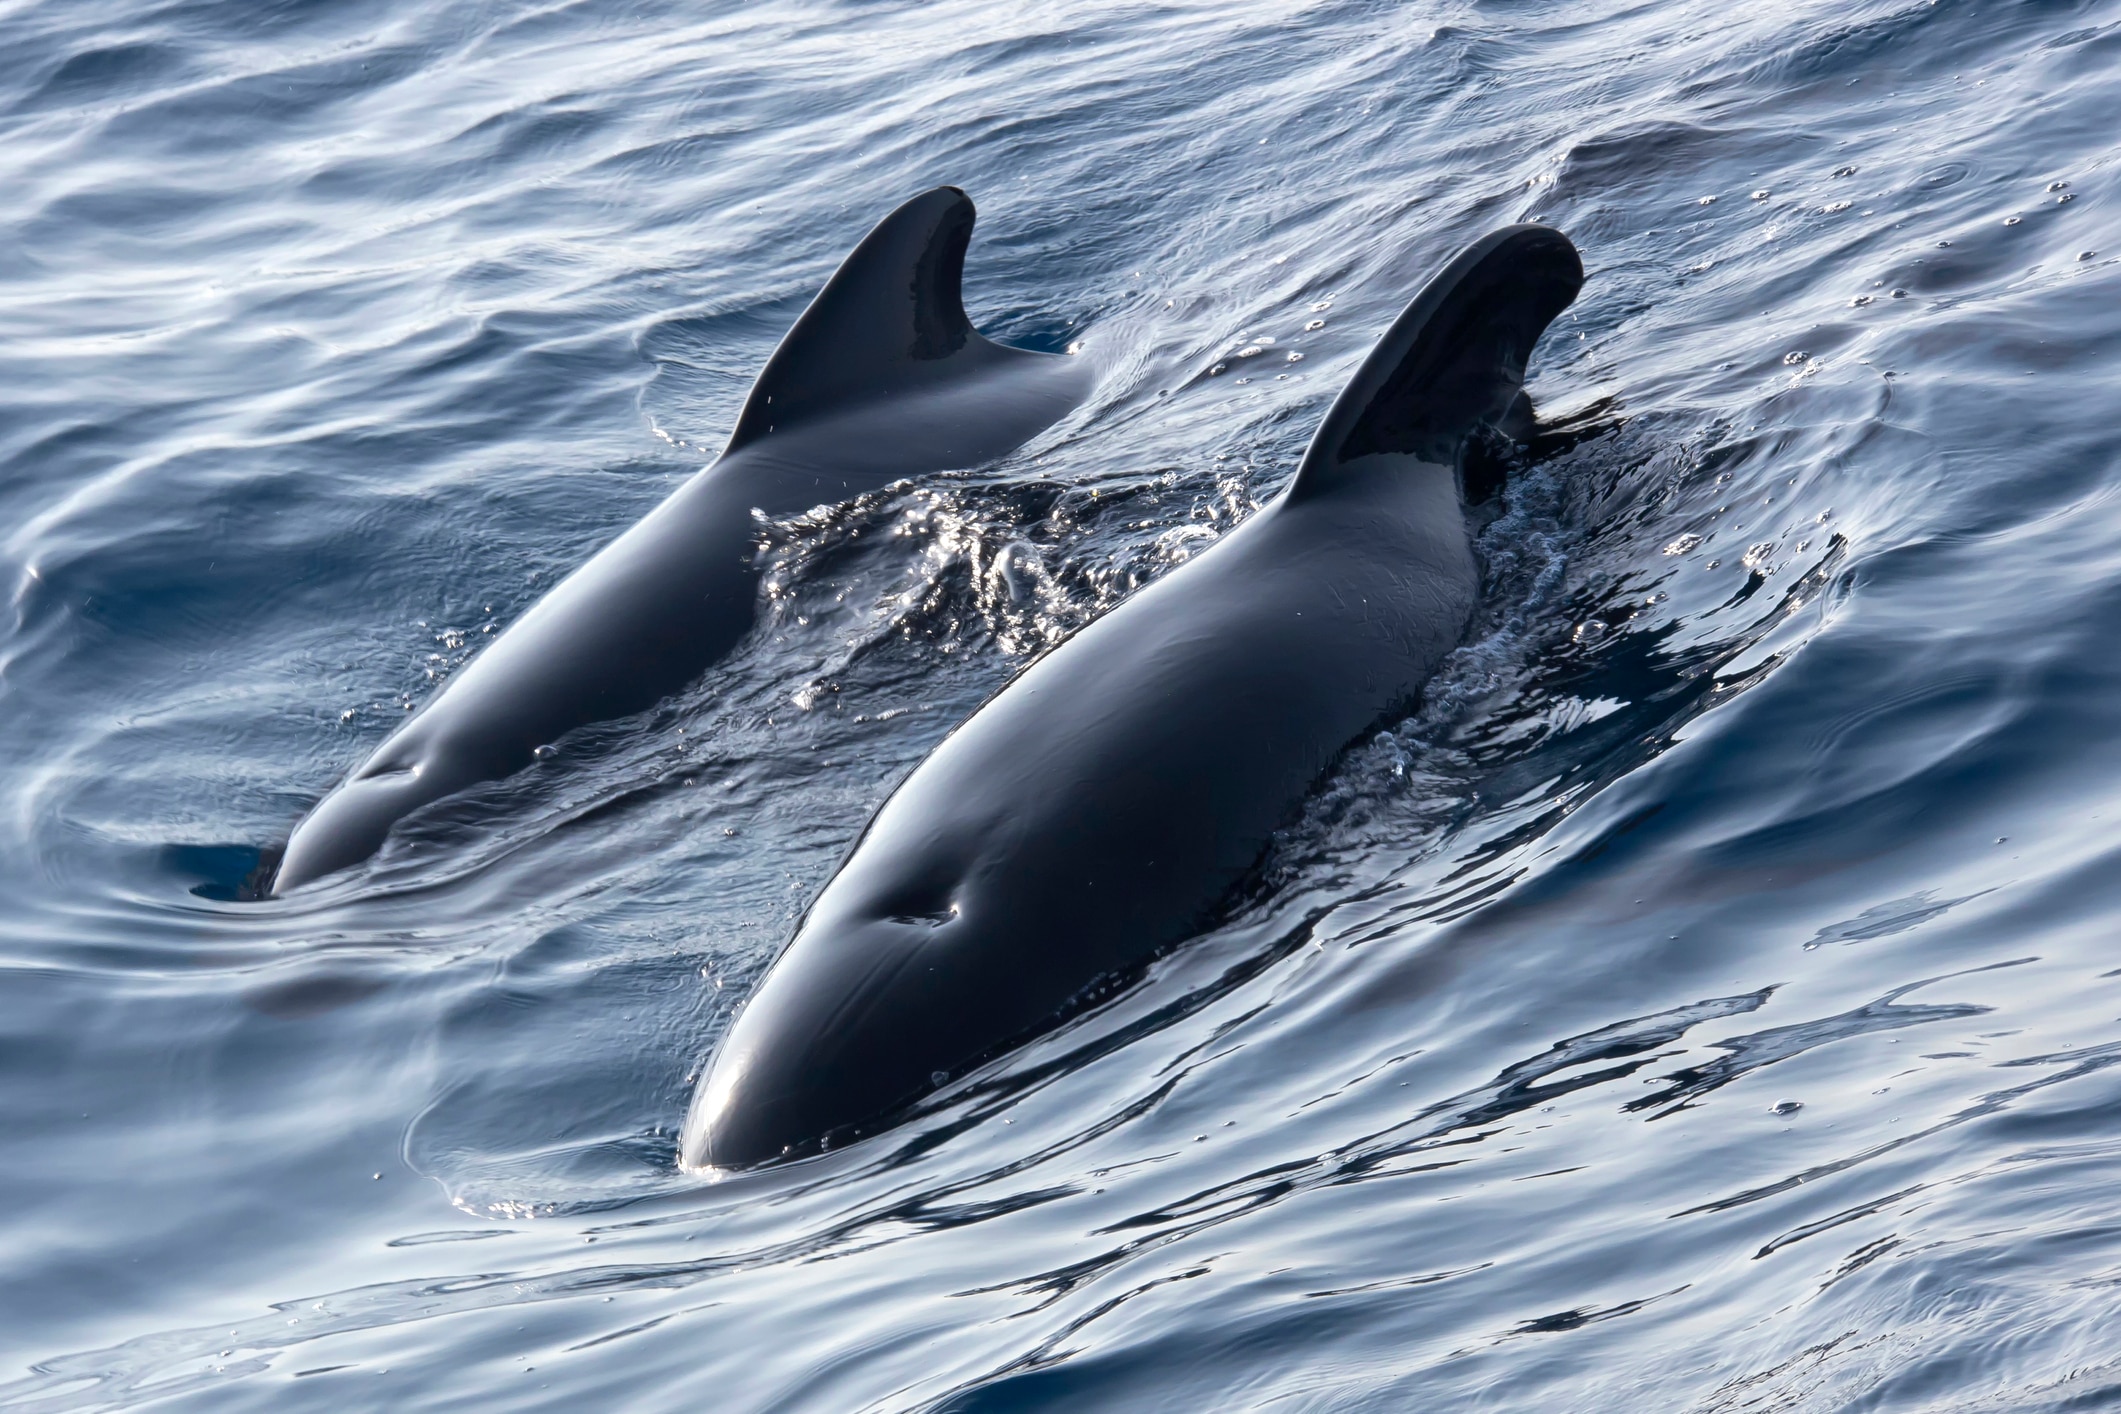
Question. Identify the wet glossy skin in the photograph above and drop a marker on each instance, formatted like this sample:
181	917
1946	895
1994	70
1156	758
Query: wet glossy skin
880	378
1102	805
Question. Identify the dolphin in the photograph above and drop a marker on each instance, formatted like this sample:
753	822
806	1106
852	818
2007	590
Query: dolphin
881	377
1102	806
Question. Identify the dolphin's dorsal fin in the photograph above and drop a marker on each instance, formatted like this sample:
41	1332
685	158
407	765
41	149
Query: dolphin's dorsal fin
1453	361
890	320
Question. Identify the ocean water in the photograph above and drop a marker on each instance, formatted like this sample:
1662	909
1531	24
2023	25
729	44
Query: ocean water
1708	998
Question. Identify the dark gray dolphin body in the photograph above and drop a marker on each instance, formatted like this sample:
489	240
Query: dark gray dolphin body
881	377
1101	806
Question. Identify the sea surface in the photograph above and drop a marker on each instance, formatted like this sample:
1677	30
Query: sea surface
1706	998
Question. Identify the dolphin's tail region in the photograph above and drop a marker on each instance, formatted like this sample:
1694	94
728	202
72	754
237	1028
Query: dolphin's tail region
890	321
1454	361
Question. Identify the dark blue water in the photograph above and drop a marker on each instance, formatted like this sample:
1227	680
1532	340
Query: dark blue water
1710	1000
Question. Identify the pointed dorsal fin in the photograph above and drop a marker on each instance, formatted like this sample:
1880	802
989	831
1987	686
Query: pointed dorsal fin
1454	360
890	320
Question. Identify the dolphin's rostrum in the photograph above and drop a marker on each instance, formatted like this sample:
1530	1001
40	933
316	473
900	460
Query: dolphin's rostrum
881	377
1101	806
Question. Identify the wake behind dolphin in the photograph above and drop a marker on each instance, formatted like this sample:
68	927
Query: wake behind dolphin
1101	806
881	377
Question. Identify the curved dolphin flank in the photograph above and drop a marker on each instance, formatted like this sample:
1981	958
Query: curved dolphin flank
1101	806
881	377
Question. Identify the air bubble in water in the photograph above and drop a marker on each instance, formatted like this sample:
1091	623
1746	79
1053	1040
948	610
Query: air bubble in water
1785	1107
1016	564
1683	544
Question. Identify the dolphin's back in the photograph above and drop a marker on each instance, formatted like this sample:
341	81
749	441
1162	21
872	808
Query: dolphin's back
1107	802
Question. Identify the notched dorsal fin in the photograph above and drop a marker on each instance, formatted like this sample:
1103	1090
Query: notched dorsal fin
1454	360
891	319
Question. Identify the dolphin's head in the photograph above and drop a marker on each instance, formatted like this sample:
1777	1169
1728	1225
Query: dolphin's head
934	950
350	824
862	1016
345	828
